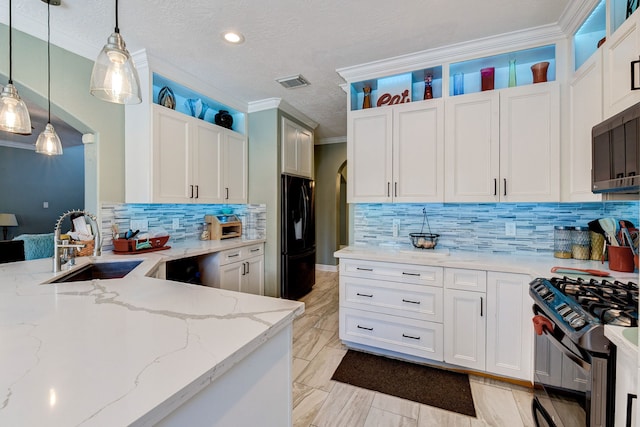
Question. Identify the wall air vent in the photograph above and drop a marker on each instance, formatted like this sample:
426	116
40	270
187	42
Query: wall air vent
293	81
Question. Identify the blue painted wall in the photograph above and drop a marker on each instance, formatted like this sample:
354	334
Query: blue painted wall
28	179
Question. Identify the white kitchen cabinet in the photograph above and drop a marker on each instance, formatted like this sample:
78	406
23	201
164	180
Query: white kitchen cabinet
509	327
504	145
240	269
465	318
235	164
585	111
193	162
297	149
395	307
626	380
619	50
396	153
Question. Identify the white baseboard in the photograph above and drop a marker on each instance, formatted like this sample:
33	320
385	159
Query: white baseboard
330	268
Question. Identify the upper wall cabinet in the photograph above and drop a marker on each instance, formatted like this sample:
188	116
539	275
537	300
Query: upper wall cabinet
504	145
620	49
297	149
396	154
174	152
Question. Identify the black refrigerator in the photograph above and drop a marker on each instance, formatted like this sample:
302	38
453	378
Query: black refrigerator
298	237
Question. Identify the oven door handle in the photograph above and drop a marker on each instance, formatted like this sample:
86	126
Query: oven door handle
567	352
563	348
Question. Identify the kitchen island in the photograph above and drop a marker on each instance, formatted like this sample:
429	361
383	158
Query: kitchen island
141	350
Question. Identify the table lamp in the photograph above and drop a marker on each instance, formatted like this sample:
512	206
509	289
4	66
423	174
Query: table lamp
7	220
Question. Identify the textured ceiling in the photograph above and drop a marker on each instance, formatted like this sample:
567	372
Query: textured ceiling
282	38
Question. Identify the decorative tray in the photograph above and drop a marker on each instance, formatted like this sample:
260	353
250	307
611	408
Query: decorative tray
131	245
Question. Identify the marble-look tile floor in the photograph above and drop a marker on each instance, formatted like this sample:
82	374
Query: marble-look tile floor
320	402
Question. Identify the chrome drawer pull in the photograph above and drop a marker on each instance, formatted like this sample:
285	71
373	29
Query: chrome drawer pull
409	336
410	302
364	269
411	274
364	295
362	327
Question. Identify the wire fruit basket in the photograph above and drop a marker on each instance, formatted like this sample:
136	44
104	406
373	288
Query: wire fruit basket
423	240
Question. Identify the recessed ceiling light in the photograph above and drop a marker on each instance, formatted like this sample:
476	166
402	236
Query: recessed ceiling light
233	37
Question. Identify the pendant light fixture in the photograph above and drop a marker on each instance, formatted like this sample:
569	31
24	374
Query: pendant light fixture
114	77
14	116
48	141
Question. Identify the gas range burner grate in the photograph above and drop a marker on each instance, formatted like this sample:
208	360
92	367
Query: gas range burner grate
613	303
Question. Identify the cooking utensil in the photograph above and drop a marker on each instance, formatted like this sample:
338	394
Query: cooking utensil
609	227
571	270
596	227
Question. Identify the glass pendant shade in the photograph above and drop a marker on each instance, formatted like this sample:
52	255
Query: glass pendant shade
48	142
14	116
114	77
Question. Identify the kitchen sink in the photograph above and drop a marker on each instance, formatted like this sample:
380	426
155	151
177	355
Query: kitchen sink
99	270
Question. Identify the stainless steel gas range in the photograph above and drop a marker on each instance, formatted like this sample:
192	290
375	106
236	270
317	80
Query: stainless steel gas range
574	361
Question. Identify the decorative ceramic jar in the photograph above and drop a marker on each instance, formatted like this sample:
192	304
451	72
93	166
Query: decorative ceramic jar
539	71
224	119
512	73
166	98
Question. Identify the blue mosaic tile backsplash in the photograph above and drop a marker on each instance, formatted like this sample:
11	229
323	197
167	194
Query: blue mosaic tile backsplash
190	218
481	227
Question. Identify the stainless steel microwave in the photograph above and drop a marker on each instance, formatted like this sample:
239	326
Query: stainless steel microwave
616	153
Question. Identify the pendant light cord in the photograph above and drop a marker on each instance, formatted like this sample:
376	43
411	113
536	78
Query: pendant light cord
48	56
10	43
117	30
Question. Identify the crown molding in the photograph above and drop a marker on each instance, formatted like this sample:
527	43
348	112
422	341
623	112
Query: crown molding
279	103
508	42
574	15
334	140
263	104
17	145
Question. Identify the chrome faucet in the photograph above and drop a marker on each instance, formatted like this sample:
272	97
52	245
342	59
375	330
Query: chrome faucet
61	248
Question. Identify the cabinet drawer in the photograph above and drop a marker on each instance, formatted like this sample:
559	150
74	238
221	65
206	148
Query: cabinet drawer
407	336
239	254
404	273
407	300
466	280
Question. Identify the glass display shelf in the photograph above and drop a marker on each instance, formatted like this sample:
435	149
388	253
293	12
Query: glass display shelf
620	11
414	82
206	108
524	59
590	33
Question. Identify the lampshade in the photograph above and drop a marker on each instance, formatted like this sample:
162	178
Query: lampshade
14	116
114	77
8	220
48	142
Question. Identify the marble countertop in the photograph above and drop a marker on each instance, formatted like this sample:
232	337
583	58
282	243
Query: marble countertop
535	266
121	351
615	334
